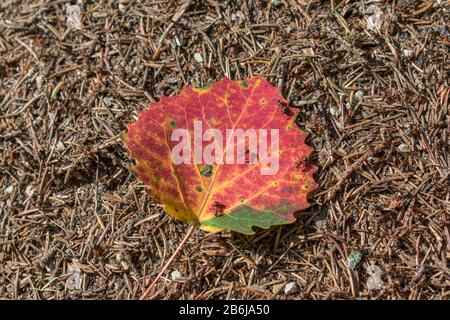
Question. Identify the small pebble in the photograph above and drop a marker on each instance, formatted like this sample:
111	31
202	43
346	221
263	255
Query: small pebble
408	53
29	191
276	3
60	146
39	81
335	112
9	190
320	223
73	17
123	4
374	17
291	288
359	95
276	288
198	57
374	281
108	101
74	280
419	85
175	275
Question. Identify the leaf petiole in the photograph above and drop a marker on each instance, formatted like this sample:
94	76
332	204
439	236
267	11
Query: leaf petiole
169	262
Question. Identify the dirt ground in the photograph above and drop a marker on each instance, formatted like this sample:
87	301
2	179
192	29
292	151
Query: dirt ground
369	77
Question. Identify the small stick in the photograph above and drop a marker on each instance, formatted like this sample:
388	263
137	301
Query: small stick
169	262
28	48
357	164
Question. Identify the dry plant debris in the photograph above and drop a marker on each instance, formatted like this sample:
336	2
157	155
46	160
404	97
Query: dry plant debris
371	79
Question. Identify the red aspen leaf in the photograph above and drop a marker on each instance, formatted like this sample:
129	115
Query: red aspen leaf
251	187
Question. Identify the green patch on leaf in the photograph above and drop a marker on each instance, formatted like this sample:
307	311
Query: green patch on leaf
244	84
244	218
207	170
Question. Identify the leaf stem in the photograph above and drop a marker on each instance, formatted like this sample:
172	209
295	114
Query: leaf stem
169	262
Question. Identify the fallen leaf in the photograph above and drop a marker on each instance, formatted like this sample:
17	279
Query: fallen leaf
220	194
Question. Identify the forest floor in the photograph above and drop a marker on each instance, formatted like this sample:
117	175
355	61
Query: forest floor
370	79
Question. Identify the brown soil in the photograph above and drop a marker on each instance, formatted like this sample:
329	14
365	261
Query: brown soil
74	223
